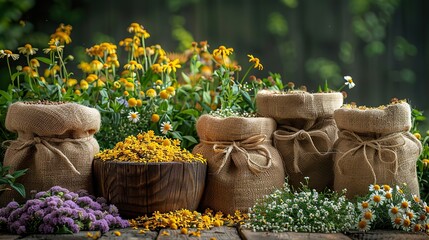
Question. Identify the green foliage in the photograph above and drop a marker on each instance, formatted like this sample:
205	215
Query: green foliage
11	28
277	24
417	117
8	180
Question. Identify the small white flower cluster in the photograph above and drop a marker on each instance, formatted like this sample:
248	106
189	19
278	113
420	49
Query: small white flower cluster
304	210
387	207
228	112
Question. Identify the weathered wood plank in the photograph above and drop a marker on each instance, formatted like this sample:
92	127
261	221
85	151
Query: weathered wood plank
218	233
387	235
249	235
127	233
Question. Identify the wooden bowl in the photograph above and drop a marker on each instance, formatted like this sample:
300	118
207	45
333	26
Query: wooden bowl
138	189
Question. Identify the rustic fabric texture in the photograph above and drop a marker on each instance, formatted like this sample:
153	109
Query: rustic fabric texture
243	166
375	147
305	135
55	142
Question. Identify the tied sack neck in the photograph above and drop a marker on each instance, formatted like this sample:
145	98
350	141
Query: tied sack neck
26	141
300	137
254	142
383	147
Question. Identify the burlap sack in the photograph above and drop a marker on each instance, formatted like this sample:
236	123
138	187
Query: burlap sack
242	164
55	142
305	134
375	147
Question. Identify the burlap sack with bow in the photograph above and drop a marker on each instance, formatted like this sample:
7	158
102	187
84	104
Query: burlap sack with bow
55	142
375	147
243	166
305	134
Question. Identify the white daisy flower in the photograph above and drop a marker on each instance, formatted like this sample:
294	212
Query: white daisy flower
368	215
395	211
397	222
363	225
166	127
349	81
377	198
133	117
365	205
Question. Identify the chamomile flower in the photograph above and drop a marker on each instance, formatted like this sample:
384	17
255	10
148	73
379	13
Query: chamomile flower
373	187
406	224
397	222
377	198
133	117
364	206
405	204
394	211
368	215
349	82
363	225
166	127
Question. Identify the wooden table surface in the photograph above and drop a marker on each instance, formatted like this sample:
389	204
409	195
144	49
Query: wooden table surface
226	233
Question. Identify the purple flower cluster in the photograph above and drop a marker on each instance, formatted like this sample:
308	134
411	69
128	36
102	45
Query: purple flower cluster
60	211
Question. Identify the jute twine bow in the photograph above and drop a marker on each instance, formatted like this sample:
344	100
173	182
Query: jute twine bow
252	143
377	145
45	141
299	136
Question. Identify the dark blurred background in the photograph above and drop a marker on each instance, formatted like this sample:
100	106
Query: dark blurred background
382	44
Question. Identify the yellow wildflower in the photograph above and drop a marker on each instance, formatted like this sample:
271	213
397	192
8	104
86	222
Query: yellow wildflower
27	49
117	233
77	92
96	65
223	51
117	84
256	62
132	102
156	68
151	93
34	63
100	83
85	67
164	94
126	93
158	82
418	135
8	54
155	118
71	82
139	103
171	90
129	86
55	47
184	231
133	65
91	78
83	84
171	66
425	162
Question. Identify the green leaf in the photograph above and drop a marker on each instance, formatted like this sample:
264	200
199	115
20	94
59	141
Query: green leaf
6	95
19	173
63	230
246	97
190	139
186	78
15	75
191	112
45	60
206	97
19	188
177	135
